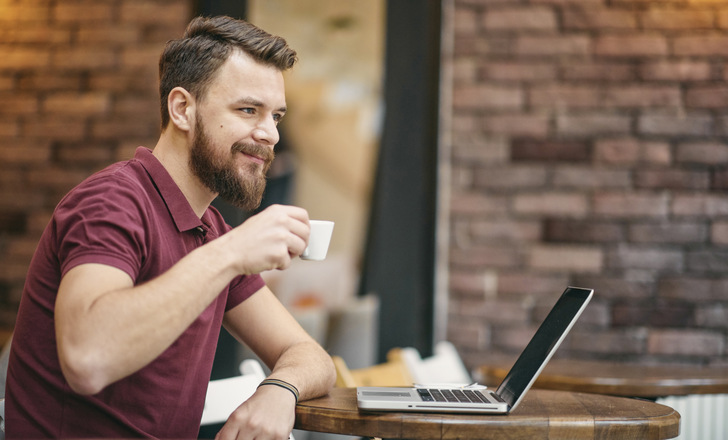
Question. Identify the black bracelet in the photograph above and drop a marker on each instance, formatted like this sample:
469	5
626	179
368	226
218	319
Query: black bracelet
282	384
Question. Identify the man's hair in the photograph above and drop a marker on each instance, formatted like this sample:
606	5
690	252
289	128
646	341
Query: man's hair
192	61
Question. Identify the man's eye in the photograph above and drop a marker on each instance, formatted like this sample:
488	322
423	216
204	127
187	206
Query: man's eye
248	110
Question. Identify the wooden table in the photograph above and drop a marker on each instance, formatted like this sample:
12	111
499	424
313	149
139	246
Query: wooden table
543	414
616	379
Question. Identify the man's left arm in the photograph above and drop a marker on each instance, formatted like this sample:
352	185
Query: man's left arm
264	325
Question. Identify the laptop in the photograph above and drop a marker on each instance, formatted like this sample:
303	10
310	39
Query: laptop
478	398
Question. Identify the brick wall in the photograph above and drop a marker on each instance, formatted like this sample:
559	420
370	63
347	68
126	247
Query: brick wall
589	148
78	90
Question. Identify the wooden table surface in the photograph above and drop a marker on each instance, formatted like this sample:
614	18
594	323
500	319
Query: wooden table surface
616	379
543	414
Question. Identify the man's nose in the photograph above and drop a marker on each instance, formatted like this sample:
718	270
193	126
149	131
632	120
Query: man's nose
266	132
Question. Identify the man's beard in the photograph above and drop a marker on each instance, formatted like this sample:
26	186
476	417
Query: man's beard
221	173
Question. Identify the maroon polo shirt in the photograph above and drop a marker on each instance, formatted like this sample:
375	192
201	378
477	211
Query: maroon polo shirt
132	216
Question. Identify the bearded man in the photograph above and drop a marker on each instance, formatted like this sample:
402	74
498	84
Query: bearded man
136	272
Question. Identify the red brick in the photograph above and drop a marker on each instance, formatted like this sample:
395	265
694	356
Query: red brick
488	97
653	314
635	45
23	58
700	45
536	125
84	11
40	81
565	96
517	71
463	203
713	316
610	288
111	35
60	179
499	231
614	342
552	45
468	335
685	343
478	149
515	284
719	232
582	231
675	124
29	13
706	97
573	205
85	153
586	177
39	33
632	151
80	104
672	179
687	288
118	128
80	58
126	81
632	257
631	204
595	124
18	104
157	12
492	256
708	261
54	128
464	71
708	153
466	21
700	205
677	19
580	17
511	178
673	232
9	129
494	312
464	283
142	57
642	96
24	152
681	70
598	71
535	150
520	19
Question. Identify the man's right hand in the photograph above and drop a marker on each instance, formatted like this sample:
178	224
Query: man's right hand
269	240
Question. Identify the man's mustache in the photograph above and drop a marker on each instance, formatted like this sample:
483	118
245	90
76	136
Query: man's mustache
257	150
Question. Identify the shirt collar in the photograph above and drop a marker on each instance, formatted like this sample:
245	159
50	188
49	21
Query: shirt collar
179	208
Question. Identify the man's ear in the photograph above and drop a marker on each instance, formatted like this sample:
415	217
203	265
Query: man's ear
181	107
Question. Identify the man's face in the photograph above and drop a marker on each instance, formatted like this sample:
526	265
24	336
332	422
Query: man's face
236	130
241	185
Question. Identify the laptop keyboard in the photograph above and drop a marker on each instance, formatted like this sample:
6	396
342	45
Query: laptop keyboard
456	395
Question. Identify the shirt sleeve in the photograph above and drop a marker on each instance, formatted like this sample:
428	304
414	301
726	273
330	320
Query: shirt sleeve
242	288
102	223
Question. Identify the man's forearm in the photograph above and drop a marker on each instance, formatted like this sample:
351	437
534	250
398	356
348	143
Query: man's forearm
308	367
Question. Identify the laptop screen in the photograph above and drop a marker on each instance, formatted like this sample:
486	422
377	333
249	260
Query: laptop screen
543	344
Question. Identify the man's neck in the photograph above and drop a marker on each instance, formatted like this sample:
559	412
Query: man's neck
173	154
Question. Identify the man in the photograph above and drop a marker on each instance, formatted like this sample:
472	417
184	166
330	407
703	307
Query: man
135	273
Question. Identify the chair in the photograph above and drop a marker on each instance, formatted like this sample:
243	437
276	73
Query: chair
444	366
390	373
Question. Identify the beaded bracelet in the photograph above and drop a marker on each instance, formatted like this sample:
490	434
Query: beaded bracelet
282	384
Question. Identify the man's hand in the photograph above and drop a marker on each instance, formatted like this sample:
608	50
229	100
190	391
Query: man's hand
269	240
268	415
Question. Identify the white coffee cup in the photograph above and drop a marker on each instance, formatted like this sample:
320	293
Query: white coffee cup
318	241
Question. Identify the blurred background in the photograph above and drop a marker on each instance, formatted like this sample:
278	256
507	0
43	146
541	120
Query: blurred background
477	156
